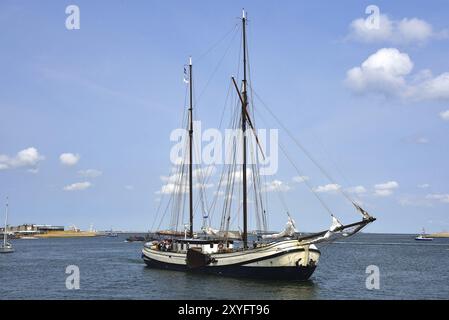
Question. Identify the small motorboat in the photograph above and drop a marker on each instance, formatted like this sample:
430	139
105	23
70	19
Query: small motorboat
135	239
423	236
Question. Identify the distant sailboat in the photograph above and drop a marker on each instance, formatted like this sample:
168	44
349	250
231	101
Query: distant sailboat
6	247
423	236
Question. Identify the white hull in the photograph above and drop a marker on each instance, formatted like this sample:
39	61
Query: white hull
6	249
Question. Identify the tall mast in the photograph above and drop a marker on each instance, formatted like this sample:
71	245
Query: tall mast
191	148
244	105
6	223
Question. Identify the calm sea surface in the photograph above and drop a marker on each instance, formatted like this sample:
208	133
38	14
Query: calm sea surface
112	269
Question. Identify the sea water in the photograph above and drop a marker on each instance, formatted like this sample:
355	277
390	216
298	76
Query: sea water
110	268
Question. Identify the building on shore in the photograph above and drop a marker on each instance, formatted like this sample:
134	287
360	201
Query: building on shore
47	231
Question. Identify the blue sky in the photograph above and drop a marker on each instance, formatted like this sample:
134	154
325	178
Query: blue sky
369	106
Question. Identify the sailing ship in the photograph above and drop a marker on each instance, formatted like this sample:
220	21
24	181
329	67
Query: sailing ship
285	255
6	247
423	236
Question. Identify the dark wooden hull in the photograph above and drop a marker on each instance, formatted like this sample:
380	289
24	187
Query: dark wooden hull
240	271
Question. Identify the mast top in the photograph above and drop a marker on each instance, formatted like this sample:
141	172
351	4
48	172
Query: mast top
190	60
243	13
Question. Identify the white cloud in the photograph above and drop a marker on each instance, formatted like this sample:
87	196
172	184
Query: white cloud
29	157
361	30
387	72
414	31
422	140
414	201
237	177
432	88
300	179
201	174
356	189
383	72
174	184
129	187
204	173
424	185
385	189
170	188
90	173
77	186
439	197
405	31
69	159
332	187
275	186
444	115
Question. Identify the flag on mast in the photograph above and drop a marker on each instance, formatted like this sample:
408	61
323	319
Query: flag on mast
186	77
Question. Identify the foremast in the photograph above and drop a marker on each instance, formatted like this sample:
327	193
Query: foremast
190	148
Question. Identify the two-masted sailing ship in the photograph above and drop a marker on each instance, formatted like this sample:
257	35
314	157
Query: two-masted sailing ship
285	255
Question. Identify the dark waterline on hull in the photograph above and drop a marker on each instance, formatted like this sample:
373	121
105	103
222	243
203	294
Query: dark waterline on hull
270	274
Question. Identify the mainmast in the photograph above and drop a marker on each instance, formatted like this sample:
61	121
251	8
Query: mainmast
191	148
244	105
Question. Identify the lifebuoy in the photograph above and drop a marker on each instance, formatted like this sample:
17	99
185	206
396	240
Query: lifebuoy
220	246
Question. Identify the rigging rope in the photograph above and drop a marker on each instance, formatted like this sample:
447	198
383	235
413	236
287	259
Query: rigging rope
303	149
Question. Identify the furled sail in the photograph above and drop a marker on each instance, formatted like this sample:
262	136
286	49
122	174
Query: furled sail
335	226
289	231
211	231
338	230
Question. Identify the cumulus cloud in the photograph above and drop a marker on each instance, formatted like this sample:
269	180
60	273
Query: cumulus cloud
275	186
170	188
332	187
444	115
69	159
382	72
201	174
405	31
300	179
414	201
388	72
78	186
177	183
357	190
385	189
29	157
90	173
444	198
